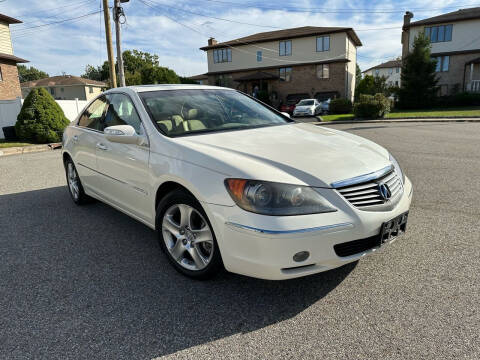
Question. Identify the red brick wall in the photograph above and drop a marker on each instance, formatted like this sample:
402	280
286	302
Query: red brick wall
9	86
304	80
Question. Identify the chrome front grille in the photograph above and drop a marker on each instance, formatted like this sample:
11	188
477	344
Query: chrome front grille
365	191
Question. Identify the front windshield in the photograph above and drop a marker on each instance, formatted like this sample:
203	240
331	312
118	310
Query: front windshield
306	102
184	112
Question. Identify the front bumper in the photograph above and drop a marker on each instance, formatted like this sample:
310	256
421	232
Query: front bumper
263	246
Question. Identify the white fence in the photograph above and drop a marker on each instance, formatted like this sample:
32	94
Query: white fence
9	110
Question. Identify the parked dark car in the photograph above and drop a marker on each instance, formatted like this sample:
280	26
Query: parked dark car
291	101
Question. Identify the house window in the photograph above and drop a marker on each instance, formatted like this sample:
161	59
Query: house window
443	63
323	71
439	33
224	80
52	91
90	89
285	48
259	56
222	55
1	76
397	70
390	71
377	72
62	89
285	74
396	82
323	43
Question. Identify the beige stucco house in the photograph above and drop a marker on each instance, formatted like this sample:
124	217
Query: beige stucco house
455	45
391	70
66	87
9	84
317	61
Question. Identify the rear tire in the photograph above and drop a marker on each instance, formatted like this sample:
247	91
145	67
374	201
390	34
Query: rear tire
186	236
74	184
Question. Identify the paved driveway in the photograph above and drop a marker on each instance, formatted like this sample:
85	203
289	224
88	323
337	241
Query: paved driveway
90	283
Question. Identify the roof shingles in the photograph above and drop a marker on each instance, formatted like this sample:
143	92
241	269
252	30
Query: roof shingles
64	80
459	15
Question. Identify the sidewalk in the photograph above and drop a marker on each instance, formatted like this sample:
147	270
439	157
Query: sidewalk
28	149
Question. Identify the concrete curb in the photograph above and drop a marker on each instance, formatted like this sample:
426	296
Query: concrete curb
28	149
408	120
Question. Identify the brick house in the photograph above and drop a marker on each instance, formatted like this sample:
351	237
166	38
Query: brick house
9	83
392	71
316	61
455	45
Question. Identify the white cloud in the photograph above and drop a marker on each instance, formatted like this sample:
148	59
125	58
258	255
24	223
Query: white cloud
70	46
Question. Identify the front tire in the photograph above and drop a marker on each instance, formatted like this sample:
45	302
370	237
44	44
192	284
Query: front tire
186	236
75	187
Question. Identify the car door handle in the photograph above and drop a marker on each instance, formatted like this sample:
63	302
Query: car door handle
75	138
100	146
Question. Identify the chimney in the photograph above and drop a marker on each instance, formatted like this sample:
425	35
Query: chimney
406	33
212	41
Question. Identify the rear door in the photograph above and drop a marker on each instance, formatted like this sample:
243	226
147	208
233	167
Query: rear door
86	135
124	167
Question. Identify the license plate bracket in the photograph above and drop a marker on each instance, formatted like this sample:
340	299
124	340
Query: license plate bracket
393	228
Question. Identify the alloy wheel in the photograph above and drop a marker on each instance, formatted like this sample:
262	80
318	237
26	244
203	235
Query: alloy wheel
188	237
73	182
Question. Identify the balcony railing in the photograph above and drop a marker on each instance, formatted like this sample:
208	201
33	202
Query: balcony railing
474	86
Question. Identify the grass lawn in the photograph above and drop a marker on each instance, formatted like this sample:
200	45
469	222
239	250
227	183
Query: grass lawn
431	113
7	144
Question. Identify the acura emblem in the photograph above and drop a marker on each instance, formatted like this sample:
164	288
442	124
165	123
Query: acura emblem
384	191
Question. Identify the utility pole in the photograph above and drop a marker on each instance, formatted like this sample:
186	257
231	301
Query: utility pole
108	36
117	13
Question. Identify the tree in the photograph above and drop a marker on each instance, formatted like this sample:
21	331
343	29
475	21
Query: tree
419	80
141	68
358	74
41	119
371	85
30	73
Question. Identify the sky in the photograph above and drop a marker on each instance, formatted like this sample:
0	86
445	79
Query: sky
176	29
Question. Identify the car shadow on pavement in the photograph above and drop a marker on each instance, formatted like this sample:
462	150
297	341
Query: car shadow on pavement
90	282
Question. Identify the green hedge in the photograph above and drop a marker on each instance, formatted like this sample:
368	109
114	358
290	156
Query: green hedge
460	99
340	106
371	107
41	119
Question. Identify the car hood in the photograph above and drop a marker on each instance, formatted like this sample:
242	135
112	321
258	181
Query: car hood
293	153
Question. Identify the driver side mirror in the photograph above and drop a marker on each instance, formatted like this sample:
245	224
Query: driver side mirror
124	134
286	114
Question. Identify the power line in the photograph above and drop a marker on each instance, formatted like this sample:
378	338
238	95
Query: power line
339	57
330	10
23	32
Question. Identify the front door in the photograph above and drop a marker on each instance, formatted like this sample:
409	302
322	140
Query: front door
86	135
124	167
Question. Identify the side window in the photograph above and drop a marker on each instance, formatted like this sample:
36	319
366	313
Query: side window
121	111
92	117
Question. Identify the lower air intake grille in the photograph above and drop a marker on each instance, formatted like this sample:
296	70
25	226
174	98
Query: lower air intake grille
356	246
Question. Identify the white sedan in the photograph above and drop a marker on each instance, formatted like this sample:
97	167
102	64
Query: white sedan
229	182
308	107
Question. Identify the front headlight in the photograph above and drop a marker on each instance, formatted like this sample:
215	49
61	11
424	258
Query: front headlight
271	198
397	167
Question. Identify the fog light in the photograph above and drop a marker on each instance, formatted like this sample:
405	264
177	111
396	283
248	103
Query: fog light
301	256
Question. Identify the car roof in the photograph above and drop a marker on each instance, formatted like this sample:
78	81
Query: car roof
307	99
161	87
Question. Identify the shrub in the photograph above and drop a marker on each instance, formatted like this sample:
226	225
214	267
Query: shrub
41	119
371	107
460	99
340	106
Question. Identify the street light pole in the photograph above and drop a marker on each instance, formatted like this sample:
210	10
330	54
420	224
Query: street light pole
117	12
108	36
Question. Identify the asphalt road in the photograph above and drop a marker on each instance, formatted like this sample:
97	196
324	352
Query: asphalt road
90	283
